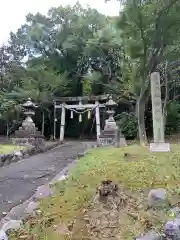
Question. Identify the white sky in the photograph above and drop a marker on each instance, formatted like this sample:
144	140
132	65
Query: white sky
13	12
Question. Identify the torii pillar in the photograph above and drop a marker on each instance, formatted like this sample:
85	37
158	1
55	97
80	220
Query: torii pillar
63	116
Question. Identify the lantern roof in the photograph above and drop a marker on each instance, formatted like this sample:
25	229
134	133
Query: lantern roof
111	102
29	103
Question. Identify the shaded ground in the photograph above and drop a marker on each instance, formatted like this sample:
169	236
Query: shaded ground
19	180
76	213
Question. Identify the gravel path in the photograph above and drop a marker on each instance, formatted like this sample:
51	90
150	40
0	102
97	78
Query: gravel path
19	180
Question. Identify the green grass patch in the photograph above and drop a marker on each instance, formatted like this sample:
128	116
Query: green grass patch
9	148
136	174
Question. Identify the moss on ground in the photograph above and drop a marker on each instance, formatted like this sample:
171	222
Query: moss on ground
9	148
136	173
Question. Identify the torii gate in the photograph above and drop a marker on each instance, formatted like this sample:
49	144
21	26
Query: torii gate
79	108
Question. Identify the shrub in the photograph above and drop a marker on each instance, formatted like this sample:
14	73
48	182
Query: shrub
173	118
128	125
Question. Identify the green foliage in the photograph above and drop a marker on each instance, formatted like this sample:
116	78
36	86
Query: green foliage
9	109
74	51
173	118
128	125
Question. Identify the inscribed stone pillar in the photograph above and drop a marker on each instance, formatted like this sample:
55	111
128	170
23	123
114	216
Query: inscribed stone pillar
158	123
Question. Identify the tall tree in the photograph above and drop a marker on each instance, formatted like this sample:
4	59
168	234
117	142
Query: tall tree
60	37
150	28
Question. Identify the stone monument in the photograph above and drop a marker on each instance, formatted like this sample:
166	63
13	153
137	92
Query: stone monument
111	135
28	133
159	144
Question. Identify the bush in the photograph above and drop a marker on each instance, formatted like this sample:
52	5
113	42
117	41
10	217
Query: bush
128	125
173	118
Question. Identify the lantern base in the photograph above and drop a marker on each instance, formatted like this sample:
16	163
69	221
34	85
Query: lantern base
30	141
111	135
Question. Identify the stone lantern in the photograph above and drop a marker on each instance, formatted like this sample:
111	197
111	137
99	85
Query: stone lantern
111	135
28	133
110	122
29	111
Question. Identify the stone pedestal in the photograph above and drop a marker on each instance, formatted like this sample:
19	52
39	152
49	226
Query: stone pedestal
108	137
114	137
159	147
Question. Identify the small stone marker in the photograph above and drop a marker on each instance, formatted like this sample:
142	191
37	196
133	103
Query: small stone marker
158	124
157	197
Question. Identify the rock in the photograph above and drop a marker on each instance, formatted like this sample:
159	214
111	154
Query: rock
43	192
58	178
23	152
32	206
172	229
8	158
1	160
151	235
174	212
11	224
3	235
18	212
157	197
80	155
18	156
62	178
31	151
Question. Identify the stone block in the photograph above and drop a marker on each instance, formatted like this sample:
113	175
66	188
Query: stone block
159	147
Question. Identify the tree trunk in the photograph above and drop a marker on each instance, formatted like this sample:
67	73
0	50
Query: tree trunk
166	99
140	111
7	130
43	122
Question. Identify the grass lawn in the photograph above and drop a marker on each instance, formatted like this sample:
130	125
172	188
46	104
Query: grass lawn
9	148
75	213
